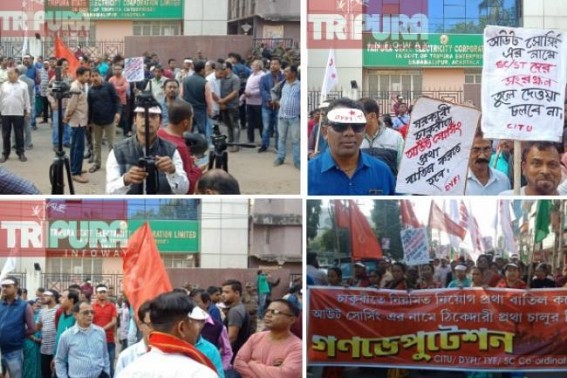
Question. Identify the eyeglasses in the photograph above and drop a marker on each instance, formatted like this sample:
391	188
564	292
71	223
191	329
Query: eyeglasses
87	312
277	312
342	127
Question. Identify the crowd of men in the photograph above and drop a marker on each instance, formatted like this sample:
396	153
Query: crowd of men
89	332
354	149
264	99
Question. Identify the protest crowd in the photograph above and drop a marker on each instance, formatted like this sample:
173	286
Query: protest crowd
91	330
102	110
361	154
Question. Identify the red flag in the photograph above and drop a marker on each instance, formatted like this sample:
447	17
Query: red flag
342	216
62	51
144	274
441	221
408	216
363	240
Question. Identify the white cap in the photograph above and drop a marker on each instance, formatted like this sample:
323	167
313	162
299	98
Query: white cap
346	115
511	265
48	292
197	314
460	267
187	61
359	263
102	288
8	281
152	110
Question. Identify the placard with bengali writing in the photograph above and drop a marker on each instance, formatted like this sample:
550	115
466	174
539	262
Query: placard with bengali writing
416	246
437	148
523	83
458	329
134	69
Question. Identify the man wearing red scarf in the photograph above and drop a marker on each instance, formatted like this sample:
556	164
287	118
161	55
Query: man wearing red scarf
172	351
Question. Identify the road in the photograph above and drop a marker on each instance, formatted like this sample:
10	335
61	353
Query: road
255	172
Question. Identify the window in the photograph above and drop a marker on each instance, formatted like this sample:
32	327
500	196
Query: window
157	28
473	76
178	261
385	82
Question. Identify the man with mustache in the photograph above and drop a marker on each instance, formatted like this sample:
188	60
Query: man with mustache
483	180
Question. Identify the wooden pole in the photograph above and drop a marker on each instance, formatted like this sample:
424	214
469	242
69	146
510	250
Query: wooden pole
517	167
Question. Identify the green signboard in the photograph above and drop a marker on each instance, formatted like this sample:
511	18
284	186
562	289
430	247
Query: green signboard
118	9
172	236
423	51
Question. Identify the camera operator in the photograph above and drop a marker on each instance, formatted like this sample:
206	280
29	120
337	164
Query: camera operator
218	181
124	176
180	115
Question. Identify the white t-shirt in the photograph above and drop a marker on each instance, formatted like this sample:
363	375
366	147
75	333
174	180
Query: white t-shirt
156	364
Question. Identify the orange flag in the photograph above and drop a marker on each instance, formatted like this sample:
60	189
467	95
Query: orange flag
440	220
62	51
144	274
363	240
408	216
342	216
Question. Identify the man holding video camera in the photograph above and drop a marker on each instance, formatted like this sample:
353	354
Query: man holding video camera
124	172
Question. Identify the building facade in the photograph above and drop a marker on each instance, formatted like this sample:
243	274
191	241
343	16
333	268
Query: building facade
414	48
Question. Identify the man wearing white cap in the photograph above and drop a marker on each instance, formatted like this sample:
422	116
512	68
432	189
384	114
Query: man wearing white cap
342	169
185	71
461	279
46	324
176	323
123	173
16	323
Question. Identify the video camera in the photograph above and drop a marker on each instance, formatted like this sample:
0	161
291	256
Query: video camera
60	88
147	162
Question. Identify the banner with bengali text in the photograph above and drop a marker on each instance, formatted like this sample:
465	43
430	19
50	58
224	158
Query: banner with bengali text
437	148
523	83
456	329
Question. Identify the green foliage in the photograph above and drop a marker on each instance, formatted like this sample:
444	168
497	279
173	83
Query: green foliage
386	217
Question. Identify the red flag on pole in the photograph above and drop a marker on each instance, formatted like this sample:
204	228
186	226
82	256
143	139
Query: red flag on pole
440	220
144	274
363	240
408	216
62	51
342	216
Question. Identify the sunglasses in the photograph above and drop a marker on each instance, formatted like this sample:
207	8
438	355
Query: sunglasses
342	127
87	312
277	312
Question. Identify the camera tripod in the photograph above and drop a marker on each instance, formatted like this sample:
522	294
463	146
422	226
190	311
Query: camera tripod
61	162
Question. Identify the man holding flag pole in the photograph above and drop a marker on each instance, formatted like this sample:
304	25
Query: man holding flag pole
330	80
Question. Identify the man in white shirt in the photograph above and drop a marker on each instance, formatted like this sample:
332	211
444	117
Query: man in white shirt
175	333
14	106
123	173
482	178
133	352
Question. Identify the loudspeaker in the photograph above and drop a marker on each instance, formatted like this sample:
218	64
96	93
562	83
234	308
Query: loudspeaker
37	267
353	84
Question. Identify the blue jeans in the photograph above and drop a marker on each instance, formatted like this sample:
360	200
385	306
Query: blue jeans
209	133
262	305
200	120
111	356
14	363
291	125
270	122
55	134
77	149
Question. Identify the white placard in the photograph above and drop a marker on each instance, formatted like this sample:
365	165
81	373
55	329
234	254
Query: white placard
437	148
523	83
134	69
416	246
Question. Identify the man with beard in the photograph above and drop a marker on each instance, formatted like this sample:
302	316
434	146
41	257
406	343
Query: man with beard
171	88
482	178
541	167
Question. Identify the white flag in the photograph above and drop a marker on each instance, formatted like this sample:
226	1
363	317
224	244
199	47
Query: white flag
9	266
331	78
510	245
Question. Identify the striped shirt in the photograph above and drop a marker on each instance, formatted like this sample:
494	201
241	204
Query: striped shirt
290	101
82	353
48	331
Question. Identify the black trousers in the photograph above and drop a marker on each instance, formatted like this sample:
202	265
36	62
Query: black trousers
17	122
45	108
254	114
46	365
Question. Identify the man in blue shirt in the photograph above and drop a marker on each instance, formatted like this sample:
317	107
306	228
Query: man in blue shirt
342	169
82	350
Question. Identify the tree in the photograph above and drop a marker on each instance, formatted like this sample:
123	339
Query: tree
313	213
386	217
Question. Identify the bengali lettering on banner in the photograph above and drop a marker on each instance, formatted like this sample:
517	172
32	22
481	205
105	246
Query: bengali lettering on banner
134	69
437	148
523	83
416	246
463	329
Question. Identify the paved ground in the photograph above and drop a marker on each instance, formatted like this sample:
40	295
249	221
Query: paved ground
255	172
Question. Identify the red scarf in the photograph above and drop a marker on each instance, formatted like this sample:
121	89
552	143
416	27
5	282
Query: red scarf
171	344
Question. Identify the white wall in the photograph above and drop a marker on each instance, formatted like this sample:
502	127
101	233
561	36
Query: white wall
205	17
224	233
33	277
349	67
